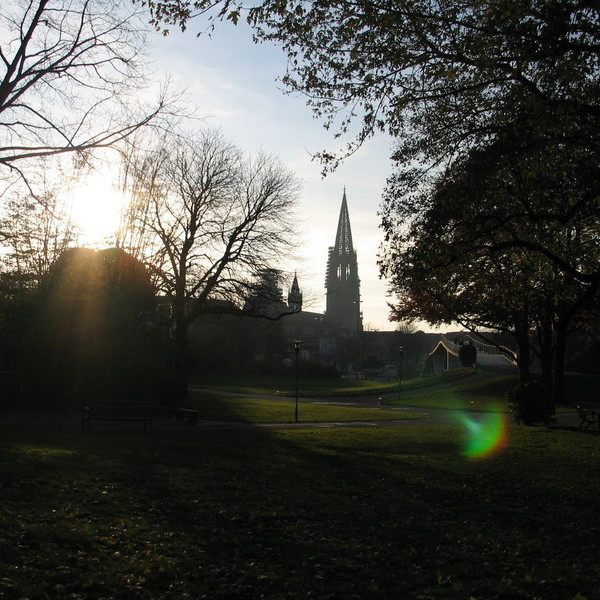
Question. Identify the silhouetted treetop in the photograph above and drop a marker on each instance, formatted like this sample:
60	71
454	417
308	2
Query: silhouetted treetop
438	75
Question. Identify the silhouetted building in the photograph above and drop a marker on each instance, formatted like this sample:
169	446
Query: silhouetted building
333	338
295	296
341	279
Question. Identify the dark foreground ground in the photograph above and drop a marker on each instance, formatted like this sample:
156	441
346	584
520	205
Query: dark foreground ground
333	512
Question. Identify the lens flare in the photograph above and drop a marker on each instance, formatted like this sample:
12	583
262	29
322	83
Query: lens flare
485	435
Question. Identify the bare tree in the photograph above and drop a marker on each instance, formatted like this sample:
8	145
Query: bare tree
69	78
33	234
407	328
211	219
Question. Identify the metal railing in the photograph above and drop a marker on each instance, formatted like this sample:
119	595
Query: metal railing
489	349
509	354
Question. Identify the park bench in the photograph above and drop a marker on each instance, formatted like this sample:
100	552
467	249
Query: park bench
118	411
589	418
180	413
186	414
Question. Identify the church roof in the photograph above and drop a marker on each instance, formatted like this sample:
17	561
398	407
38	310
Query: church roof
343	237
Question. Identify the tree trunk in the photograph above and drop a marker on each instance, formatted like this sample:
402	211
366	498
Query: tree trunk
524	351
546	341
181	359
558	395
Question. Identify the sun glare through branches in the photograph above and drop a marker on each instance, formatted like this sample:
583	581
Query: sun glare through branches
96	205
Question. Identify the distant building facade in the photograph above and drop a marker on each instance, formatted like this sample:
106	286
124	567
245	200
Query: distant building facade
332	338
341	281
295	296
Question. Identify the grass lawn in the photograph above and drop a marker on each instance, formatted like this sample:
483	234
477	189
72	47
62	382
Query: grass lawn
250	410
478	392
338	514
285	385
472	392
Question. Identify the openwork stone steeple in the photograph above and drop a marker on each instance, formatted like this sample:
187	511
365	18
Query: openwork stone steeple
341	281
343	237
295	296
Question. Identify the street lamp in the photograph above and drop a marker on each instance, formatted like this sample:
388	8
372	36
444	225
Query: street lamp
401	351
297	350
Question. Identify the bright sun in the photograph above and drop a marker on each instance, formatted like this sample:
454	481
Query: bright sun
96	206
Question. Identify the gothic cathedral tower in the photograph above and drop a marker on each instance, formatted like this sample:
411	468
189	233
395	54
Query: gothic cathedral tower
341	281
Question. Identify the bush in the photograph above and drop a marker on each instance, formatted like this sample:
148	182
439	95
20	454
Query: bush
428	369
87	339
467	355
529	403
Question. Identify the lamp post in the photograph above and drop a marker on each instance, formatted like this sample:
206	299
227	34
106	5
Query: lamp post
401	352
297	351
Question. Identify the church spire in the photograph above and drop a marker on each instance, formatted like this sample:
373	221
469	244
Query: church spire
343	237
295	296
341	281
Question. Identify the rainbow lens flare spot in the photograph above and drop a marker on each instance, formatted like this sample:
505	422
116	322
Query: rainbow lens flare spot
485	435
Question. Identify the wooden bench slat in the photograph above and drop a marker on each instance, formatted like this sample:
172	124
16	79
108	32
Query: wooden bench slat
118	411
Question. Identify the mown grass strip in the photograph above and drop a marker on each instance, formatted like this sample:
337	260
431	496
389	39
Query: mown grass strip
282	385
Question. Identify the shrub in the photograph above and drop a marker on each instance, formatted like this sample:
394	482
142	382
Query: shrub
467	355
529	403
428	369
87	338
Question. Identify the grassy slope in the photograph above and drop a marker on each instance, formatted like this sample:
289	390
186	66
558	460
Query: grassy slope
459	389
285	385
328	513
473	392
478	391
316	386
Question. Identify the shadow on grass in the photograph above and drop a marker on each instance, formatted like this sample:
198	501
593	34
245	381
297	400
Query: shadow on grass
217	407
336	513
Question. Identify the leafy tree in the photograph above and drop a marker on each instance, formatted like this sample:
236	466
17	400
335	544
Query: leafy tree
502	240
467	355
438	75
544	191
370	364
479	292
529	403
89	338
515	79
445	78
266	295
34	231
16	306
212	219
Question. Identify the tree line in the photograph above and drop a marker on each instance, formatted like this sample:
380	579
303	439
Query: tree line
491	213
203	221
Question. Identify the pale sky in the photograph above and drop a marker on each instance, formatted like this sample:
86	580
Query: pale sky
233	84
